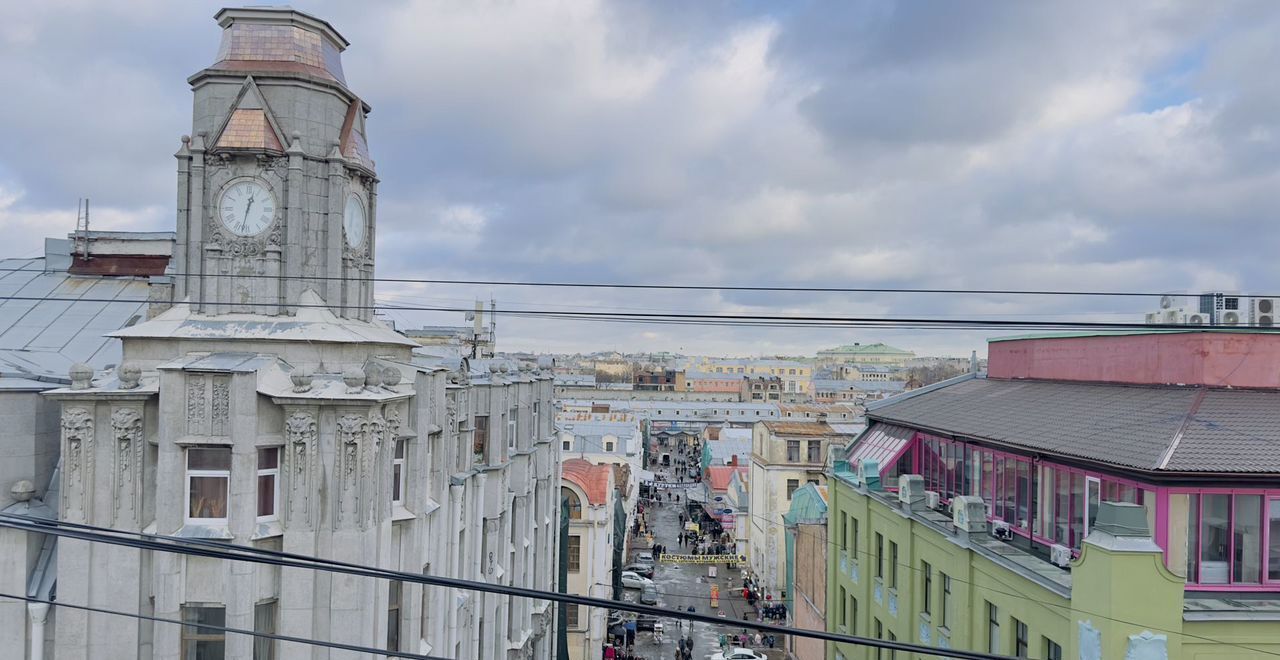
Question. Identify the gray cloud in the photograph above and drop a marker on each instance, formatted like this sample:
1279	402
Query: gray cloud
1065	145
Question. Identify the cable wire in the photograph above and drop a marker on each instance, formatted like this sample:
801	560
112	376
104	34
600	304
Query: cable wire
176	545
714	287
735	319
235	631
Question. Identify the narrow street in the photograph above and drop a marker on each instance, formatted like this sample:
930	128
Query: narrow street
684	586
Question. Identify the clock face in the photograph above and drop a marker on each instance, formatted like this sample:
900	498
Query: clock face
246	208
353	221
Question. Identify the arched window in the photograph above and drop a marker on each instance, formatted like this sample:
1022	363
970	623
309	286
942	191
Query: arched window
572	502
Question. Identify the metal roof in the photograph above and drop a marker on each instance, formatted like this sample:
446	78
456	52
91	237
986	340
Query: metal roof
1152	428
43	338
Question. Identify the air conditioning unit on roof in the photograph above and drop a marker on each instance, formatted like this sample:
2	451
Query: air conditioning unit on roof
1002	530
1200	318
932	499
1060	556
1262	312
1232	318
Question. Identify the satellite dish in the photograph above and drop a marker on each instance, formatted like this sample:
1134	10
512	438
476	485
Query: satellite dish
1166	302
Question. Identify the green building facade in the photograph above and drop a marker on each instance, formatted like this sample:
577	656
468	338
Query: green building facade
1032	516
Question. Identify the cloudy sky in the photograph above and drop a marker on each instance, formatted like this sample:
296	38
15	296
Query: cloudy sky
1076	146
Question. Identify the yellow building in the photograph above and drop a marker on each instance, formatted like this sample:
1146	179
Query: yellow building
796	377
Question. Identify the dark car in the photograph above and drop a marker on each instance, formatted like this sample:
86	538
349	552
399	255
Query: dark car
643	570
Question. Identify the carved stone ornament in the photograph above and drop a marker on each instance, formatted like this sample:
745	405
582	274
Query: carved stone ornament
126	430
129	375
77	442
221	405
302	378
195	404
451	414
394	423
300	433
351	432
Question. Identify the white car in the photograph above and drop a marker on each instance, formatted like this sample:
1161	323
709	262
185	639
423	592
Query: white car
632	580
739	653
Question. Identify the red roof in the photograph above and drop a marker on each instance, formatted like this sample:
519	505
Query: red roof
592	479
720	475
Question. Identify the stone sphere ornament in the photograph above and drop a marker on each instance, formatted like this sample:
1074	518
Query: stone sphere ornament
353	377
130	375
81	376
390	376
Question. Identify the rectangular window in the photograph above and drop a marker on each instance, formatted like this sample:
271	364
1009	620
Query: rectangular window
398	472
893	654
268	482
843	605
853	615
844	531
1052	651
480	438
893	565
815	451
199	642
793	451
853	541
513	427
792	485
879	555
1024	495
208	478
927	571
946	601
1077	509
575	554
1273	543
1020	647
264	621
570	615
879	632
993	629
537	432
1246	564
395	591
1215	538
566	445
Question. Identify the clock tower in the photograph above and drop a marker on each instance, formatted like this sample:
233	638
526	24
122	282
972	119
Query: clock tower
277	194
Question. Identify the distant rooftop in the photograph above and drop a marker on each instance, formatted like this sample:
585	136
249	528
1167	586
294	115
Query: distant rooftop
867	349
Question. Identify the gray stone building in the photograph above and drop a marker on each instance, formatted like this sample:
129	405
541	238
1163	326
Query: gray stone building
258	402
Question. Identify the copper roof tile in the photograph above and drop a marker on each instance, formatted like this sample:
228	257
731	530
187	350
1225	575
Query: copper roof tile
248	129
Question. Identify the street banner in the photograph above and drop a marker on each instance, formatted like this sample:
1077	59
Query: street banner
703	559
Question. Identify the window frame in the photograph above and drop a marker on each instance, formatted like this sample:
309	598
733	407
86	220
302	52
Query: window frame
893	565
993	628
189	631
792	486
926	602
573	549
274	473
399	477
1268	497
269	647
1021	639
945	605
207	473
513	428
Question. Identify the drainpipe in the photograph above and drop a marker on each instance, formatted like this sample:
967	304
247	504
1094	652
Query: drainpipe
38	612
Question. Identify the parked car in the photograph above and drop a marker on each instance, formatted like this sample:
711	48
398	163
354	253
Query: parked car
739	653
642	558
649	594
634	580
643	570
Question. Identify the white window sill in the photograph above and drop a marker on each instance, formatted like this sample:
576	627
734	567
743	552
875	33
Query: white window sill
265	529
205	530
399	513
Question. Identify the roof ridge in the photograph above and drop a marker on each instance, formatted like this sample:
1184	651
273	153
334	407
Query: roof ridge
1182	428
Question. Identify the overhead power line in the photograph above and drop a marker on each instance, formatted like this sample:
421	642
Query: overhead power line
193	547
715	319
235	631
719	287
